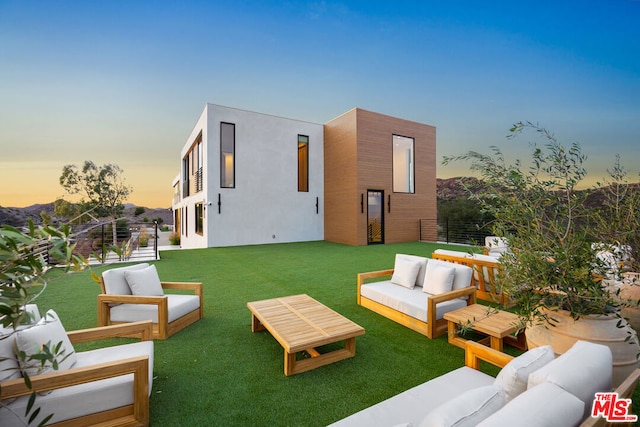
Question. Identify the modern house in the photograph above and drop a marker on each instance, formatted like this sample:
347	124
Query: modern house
253	178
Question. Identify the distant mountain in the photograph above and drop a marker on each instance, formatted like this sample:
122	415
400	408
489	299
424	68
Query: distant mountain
19	217
452	188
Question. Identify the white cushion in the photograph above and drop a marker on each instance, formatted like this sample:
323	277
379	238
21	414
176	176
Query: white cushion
583	370
177	306
545	405
412	405
438	279
83	399
115	282
144	281
514	376
48	330
412	302
423	265
405	272
463	275
9	367
467	409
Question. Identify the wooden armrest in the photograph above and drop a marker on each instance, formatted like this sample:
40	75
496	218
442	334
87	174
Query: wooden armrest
373	274
142	329
458	293
190	286
130	299
628	386
475	352
139	366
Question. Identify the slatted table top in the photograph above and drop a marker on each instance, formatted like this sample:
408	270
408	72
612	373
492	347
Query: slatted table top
300	322
493	322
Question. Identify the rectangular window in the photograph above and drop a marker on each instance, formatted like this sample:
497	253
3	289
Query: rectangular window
403	164
227	155
303	163
199	218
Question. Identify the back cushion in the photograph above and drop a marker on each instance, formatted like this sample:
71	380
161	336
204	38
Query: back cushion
438	279
115	282
514	376
546	405
144	281
586	368
463	273
9	367
405	272
423	265
48	330
466	409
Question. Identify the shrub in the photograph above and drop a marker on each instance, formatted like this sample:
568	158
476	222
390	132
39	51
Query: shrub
174	238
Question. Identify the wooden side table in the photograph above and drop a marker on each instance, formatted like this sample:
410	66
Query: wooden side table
498	325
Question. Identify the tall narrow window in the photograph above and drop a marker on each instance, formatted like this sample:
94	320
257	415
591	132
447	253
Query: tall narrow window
403	164
303	163
227	155
199	218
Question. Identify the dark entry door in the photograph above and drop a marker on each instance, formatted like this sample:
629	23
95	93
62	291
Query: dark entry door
375	217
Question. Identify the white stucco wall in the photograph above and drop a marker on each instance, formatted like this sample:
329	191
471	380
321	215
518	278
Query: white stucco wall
265	205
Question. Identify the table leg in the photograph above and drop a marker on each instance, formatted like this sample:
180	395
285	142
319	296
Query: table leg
496	343
256	326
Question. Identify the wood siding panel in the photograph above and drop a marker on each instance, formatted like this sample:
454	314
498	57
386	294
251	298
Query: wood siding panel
341	200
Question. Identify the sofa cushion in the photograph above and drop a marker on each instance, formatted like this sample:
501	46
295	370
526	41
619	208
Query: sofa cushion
115	282
411	406
144	281
467	409
87	398
438	279
48	330
514	376
423	265
405	272
177	306
9	367
412	302
463	275
583	370
545	405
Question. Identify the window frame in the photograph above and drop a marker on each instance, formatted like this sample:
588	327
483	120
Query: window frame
410	177
223	159
303	175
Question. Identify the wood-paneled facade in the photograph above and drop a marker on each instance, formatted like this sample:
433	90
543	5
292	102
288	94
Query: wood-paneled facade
358	150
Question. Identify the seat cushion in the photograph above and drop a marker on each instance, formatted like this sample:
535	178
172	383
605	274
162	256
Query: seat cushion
412	302
88	398
115	282
178	306
413	405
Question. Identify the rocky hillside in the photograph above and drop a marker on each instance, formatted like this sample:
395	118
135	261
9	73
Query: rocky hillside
19	217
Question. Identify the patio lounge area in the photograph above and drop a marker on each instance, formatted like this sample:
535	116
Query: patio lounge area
217	372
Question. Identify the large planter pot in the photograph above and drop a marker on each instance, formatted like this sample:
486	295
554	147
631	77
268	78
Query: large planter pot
599	329
627	292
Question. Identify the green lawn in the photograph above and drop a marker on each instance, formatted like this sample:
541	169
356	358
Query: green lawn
217	372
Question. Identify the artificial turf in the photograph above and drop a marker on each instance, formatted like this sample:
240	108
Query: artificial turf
217	372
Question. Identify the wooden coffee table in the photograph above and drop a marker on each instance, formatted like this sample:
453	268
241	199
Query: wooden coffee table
498	325
300	323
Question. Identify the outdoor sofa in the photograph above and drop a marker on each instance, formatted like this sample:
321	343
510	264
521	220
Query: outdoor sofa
531	390
418	292
109	385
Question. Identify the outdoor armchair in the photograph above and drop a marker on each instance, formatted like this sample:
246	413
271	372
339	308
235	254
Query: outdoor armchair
135	293
109	385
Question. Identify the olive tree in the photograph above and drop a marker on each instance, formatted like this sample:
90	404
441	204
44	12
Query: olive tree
103	187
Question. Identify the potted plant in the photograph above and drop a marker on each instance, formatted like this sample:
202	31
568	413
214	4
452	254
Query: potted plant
551	272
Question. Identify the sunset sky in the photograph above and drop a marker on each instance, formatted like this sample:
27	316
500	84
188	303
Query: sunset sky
124	81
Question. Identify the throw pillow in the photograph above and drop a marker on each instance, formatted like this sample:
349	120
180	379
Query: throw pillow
438	279
466	409
144	282
48	330
545	405
115	282
405	272
423	265
514	376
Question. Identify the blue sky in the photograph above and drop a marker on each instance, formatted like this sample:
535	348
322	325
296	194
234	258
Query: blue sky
124	81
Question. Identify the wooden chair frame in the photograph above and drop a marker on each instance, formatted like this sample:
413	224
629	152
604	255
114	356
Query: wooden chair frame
484	292
136	414
163	329
432	328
